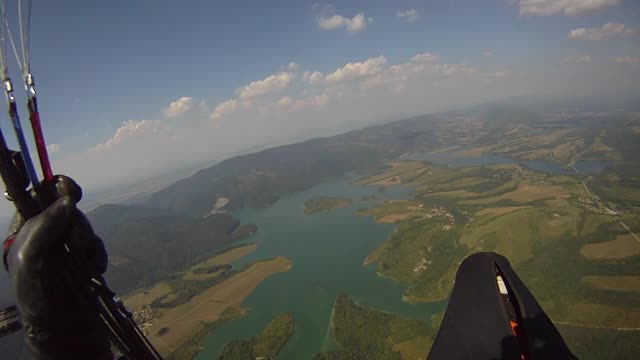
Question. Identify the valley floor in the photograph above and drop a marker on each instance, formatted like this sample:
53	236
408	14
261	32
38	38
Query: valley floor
169	328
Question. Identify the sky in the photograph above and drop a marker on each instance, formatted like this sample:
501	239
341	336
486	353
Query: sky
133	89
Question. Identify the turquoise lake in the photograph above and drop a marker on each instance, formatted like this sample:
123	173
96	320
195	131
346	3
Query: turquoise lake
327	250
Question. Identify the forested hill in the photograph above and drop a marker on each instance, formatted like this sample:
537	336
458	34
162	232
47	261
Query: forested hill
260	179
185	219
146	244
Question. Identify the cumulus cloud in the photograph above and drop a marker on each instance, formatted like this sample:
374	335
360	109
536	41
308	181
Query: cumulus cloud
293	66
607	30
267	85
313	77
487	53
410	15
418	68
426	57
223	108
284	101
367	92
129	131
356	70
453	69
316	100
308	102
179	106
567	7
247	95
628	60
53	148
336	21
579	59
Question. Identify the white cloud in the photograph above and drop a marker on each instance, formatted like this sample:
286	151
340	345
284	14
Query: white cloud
579	59
357	70
284	101
410	15
53	148
420	66
310	101
487	53
129	131
304	101
314	77
293	66
453	69
567	7
607	30
246	96
223	108
628	60
179	106
267	85
390	91
426	57
335	21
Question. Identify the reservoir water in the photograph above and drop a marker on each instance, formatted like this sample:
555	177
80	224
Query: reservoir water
327	250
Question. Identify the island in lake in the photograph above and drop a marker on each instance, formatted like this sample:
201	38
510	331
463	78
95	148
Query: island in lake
323	203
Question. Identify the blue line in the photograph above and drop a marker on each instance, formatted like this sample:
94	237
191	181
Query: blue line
24	150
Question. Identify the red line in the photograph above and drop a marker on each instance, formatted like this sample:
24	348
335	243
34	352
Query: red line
41	146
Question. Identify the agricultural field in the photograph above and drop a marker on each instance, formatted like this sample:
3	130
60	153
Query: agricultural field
190	304
623	246
396	210
614	283
184	320
141	298
215	265
567	244
397	173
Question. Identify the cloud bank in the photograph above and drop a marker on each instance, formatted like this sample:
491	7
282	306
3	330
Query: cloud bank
297	102
607	30
567	7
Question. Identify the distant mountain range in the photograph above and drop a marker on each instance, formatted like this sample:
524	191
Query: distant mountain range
175	224
260	179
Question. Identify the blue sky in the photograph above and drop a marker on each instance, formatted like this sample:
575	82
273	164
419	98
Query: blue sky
241	73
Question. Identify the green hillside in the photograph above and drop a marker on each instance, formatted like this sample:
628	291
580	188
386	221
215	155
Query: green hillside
362	332
145	245
266	345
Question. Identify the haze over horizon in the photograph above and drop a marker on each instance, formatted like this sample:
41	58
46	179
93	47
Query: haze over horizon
132	90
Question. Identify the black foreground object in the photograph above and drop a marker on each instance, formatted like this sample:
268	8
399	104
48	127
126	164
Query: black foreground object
482	322
59	318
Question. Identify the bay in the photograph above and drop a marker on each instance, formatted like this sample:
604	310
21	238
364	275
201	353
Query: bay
327	250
